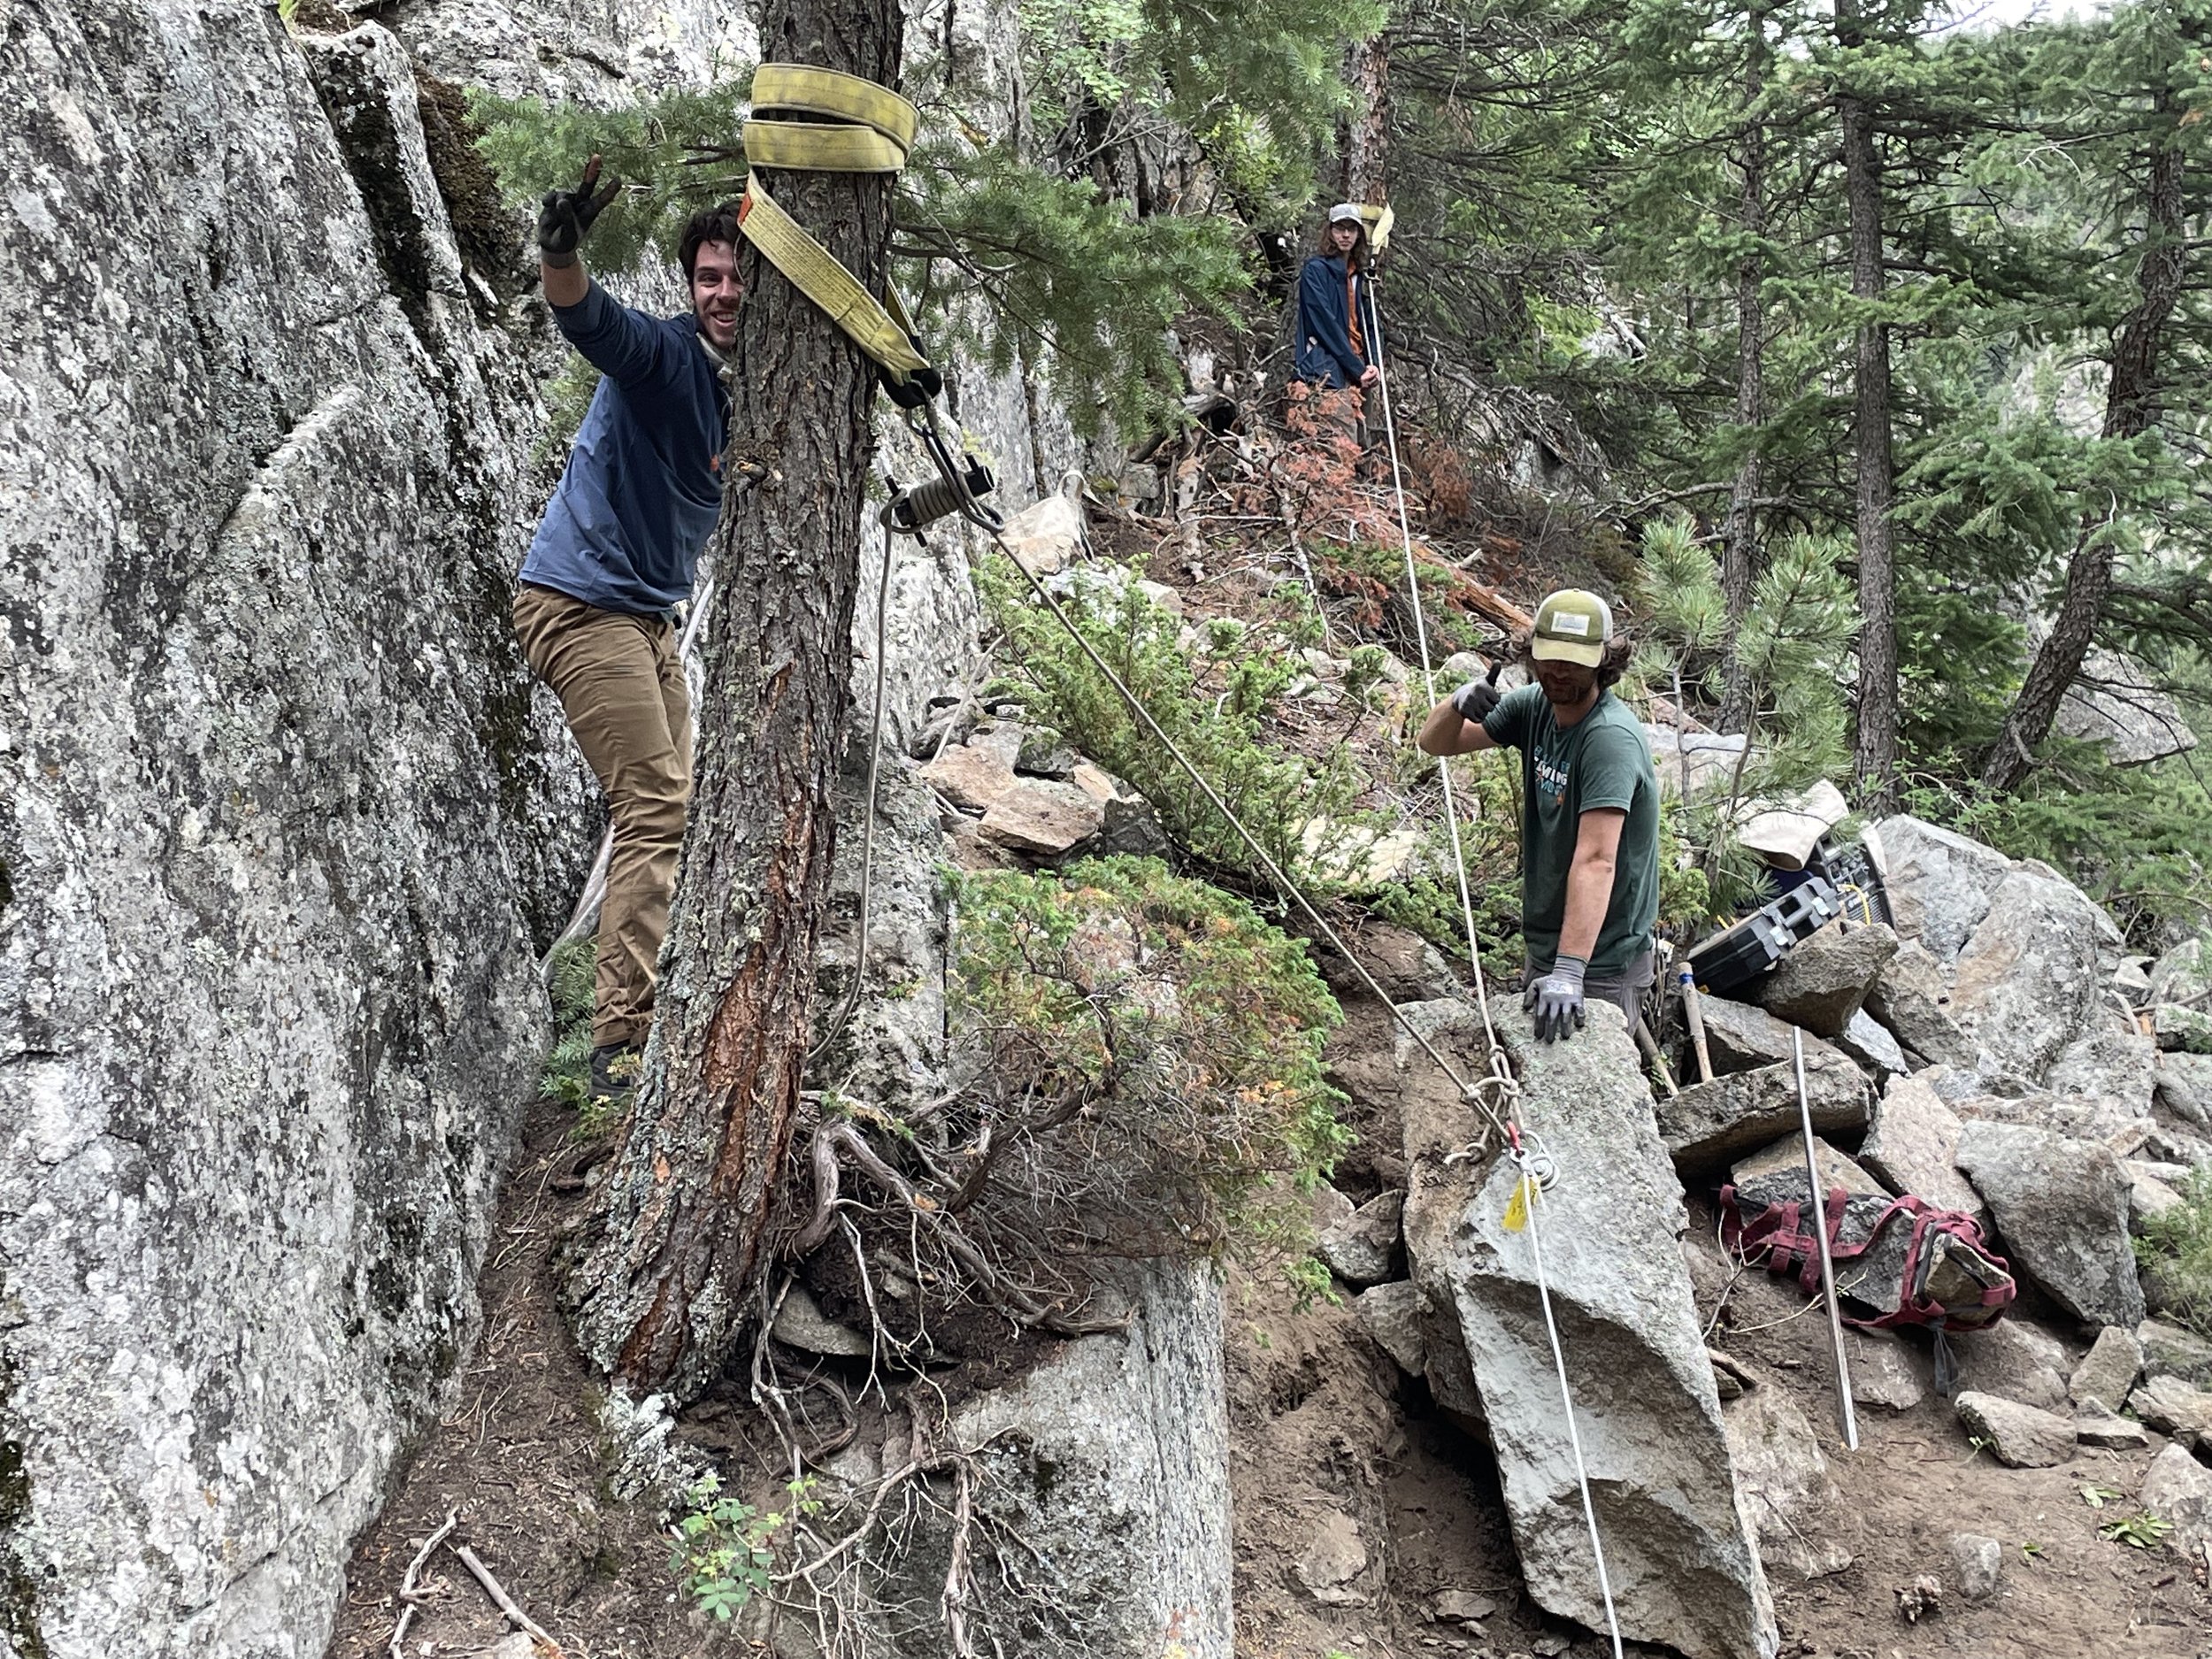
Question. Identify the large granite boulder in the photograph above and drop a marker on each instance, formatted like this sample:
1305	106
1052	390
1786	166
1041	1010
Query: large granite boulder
2029	983
2177	1489
2061	1212
1783	1478
1910	999
1912	1147
1940	883
1678	1543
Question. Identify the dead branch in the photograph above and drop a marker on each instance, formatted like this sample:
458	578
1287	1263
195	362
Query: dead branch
504	1602
408	1595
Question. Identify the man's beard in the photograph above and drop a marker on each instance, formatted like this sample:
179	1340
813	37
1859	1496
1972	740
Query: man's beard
1565	693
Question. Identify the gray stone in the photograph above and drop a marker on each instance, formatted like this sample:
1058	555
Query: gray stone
2107	1373
1741	1038
1708	1124
1977	1565
1362	1249
2178	1489
1939	886
2018	1436
1047	535
1912	1147
1333	1557
2014	1360
1822	981
2110	1434
2176	1408
801	1323
2184	1087
2062	1212
2182	1030
2117	705
1884	1371
1869	1042
2182	975
1113	1465
2029	983
1424	1344
1910	999
2110	1064
2171	1351
1461	1607
2149	1196
1042	818
1784	1480
1687	1572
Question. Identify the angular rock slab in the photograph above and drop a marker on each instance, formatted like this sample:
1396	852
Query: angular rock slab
1822	981
1678	1541
1740	1037
2062	1211
2106	1376
1784	1479
2178	1488
2018	1436
1940	883
1912	1147
2171	1351
1709	1124
1910	999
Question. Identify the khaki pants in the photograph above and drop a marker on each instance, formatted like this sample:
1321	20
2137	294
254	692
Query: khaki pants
619	680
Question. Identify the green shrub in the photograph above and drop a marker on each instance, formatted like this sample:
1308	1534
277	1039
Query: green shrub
724	1548
2176	1250
1148	1056
1214	703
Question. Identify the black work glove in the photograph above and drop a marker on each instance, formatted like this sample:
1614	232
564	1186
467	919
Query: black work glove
1476	698
565	218
1557	999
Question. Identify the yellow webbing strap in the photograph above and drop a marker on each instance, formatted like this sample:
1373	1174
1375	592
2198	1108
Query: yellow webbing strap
876	133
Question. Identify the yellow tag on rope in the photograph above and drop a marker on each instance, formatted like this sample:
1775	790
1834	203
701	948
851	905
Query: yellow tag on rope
1525	1193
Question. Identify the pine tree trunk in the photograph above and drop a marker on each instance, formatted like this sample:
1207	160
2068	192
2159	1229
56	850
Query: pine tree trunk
1367	134
2132	402
1739	535
670	1282
1875	761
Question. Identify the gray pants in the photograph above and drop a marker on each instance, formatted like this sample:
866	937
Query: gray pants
1625	990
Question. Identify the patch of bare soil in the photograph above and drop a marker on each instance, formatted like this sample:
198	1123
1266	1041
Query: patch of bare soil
1917	1480
518	1462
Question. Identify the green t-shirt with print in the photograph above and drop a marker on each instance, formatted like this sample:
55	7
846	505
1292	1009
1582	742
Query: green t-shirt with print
1601	761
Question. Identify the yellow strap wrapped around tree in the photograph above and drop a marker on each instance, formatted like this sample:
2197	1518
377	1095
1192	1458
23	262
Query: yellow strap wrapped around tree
876	134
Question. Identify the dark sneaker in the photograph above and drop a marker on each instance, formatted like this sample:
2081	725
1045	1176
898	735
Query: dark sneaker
614	1073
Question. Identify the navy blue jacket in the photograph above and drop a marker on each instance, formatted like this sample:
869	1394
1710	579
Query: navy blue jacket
643	485
1325	331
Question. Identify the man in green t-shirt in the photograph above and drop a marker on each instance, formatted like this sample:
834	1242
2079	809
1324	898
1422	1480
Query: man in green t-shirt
1589	809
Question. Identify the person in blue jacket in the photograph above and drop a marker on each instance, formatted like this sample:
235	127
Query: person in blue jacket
614	556
1336	313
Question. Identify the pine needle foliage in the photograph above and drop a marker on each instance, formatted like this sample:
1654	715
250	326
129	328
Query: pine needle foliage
1790	647
1005	260
567	1075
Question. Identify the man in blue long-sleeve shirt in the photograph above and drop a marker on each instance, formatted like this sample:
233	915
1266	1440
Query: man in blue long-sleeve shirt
614	555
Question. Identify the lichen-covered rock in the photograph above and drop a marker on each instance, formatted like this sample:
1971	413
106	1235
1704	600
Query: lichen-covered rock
1910	999
1940	884
2029	982
1912	1146
1678	1540
2062	1212
2171	1351
281	821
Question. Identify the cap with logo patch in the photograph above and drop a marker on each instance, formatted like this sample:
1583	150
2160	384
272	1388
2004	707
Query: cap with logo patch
1571	626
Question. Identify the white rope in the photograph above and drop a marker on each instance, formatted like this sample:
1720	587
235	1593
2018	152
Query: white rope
1532	1165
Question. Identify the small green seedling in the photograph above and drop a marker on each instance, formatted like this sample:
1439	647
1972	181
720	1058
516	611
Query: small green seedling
2031	1551
2137	1532
2097	1497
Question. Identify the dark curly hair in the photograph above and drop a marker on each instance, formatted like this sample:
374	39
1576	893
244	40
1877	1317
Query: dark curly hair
1618	649
716	224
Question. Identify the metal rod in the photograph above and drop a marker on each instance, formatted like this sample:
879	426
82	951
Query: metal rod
1827	1266
1693	1017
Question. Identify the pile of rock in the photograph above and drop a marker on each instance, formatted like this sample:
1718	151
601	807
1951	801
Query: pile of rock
1996	1052
1018	792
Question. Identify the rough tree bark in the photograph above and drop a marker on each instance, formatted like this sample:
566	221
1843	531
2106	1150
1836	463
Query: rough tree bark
1874	764
2131	404
666	1288
1739	535
1364	138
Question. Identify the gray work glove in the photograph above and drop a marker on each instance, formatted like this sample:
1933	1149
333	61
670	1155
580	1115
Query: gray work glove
565	216
1557	999
1476	698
